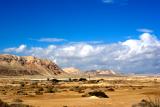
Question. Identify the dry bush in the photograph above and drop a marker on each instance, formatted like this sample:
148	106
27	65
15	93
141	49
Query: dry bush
22	84
51	90
40	89
17	100
75	80
150	102
92	81
55	81
77	89
99	94
20	105
21	92
3	104
110	89
140	87
83	79
37	92
34	85
30	95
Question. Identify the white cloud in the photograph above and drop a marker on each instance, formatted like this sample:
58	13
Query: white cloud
108	1
89	42
50	40
20	49
128	56
119	2
144	30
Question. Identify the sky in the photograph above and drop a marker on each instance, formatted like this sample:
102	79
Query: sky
122	35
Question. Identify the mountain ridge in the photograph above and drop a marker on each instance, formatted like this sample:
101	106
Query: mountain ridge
11	65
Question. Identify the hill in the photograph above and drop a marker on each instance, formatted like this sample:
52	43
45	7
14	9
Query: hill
12	65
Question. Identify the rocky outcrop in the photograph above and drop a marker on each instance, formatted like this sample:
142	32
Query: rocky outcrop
71	70
11	65
101	72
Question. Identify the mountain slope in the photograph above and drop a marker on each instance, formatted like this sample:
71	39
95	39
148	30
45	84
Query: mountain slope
11	65
101	72
71	70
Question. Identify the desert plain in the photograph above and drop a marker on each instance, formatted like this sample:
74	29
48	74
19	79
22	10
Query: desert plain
121	91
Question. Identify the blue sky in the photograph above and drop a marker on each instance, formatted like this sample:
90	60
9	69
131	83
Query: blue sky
75	20
43	23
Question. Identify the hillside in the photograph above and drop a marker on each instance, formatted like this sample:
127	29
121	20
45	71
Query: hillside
11	65
71	70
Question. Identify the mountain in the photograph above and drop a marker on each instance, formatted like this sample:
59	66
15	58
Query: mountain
71	70
101	72
11	65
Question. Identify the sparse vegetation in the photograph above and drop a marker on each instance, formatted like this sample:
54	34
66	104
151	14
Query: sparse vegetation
3	104
99	94
111	89
73	88
40	89
51	90
151	102
17	104
37	92
77	89
83	79
55	81
17	100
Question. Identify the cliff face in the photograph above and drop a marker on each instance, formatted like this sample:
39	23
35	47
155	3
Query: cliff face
12	65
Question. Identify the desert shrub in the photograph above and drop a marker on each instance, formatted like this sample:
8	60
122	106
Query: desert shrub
21	92
111	89
75	80
4	92
86	95
3	104
51	90
77	89
17	100
30	95
82	79
133	88
22	84
34	84
48	79
40	89
99	94
37	92
69	79
19	105
155	102
93	81
141	87
55	81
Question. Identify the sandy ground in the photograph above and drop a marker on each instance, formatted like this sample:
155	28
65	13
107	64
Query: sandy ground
121	97
118	98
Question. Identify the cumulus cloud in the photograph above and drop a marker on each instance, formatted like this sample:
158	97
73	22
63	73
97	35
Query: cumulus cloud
133	55
20	49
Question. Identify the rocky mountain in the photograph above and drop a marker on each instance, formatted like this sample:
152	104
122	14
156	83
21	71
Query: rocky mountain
101	72
11	65
71	70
